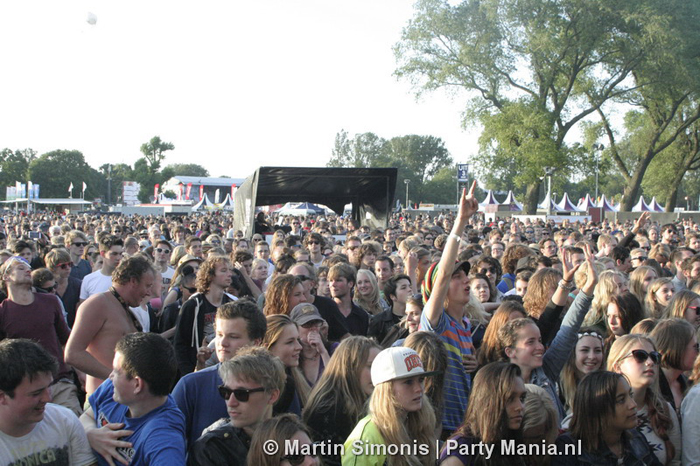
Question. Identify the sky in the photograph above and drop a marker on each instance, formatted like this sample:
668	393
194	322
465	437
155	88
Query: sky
233	85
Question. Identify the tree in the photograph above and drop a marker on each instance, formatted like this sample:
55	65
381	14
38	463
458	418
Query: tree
56	170
153	152
14	166
418	158
532	69
185	169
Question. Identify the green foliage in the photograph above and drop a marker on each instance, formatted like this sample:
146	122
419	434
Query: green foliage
418	159
184	169
56	170
14	166
153	152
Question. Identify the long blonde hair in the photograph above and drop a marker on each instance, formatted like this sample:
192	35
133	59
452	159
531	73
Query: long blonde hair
657	406
540	289
340	382
398	429
276	324
369	303
604	290
653	308
637	282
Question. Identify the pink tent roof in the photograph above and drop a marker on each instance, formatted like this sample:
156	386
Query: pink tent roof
512	202
490	199
586	203
641	206
655	206
605	204
566	205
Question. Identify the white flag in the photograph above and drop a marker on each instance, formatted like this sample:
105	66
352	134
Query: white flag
70	188
84	186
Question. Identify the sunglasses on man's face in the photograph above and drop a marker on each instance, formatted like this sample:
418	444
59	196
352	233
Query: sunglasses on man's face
80	244
165	251
65	265
241	394
50	289
641	356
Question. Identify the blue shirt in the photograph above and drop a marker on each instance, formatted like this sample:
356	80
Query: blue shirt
197	396
158	438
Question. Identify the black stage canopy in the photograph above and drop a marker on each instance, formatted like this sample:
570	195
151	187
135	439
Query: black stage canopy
370	190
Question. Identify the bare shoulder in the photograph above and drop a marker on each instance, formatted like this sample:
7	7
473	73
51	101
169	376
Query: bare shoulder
96	304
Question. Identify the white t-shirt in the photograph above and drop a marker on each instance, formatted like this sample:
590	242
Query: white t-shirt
167	278
94	283
58	440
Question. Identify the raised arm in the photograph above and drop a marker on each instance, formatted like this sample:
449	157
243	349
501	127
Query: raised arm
468	206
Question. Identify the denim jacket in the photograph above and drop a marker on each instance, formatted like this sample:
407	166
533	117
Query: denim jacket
637	452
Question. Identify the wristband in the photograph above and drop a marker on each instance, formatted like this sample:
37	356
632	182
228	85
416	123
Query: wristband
452	235
566	286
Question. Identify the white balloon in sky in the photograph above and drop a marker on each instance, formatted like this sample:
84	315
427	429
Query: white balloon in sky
91	18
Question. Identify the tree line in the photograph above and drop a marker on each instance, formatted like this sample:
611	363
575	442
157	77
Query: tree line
56	170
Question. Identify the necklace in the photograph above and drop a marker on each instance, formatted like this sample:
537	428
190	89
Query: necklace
125	305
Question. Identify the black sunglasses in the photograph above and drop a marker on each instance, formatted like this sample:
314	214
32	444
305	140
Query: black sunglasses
695	308
641	356
80	244
639	258
241	394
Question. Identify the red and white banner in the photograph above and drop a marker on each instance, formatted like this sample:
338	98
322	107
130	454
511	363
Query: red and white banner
180	191
233	190
201	192
155	192
189	191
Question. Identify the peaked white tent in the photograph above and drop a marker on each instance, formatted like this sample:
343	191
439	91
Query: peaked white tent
605	204
490	199
566	205
512	202
641	206
227	204
205	202
655	206
554	206
586	203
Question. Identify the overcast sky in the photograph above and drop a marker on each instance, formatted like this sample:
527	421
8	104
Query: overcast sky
233	85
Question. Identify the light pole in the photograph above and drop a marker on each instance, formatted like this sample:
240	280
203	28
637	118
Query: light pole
548	173
407	181
598	148
687	203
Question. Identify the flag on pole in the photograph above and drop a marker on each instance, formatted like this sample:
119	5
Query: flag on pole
216	196
189	191
70	190
155	193
84	186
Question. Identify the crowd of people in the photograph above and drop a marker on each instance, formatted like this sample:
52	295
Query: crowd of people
435	340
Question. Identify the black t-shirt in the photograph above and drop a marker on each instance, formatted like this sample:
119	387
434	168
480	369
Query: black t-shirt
328	309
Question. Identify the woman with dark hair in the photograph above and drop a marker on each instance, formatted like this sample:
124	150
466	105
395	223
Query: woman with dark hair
494	415
603	424
624	312
587	357
282	430
490	351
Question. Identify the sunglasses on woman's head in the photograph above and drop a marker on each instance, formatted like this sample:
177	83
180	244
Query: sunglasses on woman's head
641	356
241	394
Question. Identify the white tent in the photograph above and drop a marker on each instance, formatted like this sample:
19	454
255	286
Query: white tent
510	200
205	202
490	199
227	204
586	203
655	206
555	207
641	206
605	204
566	205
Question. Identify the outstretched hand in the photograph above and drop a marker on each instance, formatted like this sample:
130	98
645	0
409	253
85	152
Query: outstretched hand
468	205
641	220
592	278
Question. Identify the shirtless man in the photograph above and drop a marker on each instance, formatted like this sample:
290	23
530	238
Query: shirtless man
104	318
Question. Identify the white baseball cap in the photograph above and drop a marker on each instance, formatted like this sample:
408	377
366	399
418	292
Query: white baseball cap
397	363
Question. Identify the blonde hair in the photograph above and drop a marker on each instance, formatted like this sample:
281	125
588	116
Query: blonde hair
653	308
637	282
339	384
276	324
540	411
540	289
603	292
679	304
369	303
397	429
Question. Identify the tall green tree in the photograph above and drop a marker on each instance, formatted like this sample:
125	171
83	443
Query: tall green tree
154	152
532	71
56	170
184	169
14	166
